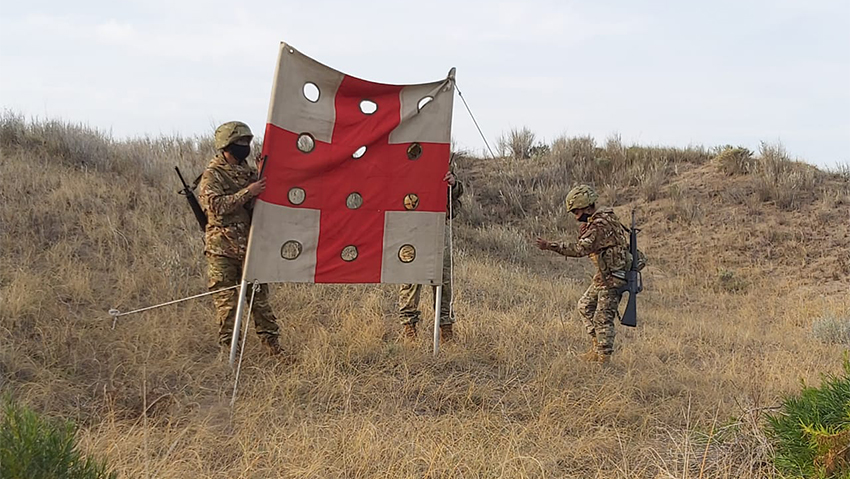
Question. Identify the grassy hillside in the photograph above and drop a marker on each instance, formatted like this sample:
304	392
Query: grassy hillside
746	288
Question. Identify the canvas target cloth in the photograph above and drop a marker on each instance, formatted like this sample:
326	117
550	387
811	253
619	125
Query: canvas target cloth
355	179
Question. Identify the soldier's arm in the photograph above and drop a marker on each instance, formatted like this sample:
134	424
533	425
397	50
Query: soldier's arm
583	247
457	190
214	199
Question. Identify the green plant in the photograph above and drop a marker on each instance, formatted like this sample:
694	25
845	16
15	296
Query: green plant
33	448
811	433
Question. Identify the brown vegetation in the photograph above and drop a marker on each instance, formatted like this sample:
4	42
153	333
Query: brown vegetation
740	270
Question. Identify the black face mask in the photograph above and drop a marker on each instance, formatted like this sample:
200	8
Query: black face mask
584	217
240	152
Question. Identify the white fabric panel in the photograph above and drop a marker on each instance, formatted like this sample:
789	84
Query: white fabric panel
423	230
279	224
432	124
289	108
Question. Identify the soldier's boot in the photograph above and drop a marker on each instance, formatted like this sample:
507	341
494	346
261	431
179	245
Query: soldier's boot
409	331
272	344
591	355
603	359
446	333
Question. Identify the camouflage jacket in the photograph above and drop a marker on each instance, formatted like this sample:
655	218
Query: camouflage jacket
604	239
224	196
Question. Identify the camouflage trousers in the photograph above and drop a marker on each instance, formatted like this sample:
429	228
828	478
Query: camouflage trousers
223	272
598	309
409	295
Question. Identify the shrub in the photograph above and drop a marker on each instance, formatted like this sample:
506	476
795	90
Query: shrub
517	143
683	208
843	171
832	330
811	433
34	448
783	180
540	149
735	161
651	176
87	148
730	282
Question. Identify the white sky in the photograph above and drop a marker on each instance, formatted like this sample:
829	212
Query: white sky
667	73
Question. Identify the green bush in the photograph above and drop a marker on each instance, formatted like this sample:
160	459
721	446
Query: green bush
34	448
811	433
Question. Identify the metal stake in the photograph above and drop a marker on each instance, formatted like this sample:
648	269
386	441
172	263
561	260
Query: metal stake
234	342
437	299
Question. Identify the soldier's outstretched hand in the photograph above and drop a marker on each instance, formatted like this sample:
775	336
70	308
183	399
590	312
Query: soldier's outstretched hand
257	187
542	243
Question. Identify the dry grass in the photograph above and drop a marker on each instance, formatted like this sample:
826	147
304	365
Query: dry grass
87	223
517	143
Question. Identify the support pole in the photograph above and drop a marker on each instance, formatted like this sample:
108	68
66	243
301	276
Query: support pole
437	299
237	323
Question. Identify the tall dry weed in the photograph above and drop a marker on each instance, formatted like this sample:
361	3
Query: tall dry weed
782	180
517	143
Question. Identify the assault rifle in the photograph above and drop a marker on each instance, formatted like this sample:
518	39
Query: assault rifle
193	202
634	282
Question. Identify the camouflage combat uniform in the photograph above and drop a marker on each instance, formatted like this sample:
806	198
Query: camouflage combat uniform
226	201
603	238
409	294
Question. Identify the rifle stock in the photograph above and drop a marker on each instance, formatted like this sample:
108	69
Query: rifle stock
629	317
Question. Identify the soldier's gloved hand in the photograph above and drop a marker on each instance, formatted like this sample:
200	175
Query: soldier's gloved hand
257	187
450	178
543	244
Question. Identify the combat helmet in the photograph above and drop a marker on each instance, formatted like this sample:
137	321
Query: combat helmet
581	196
230	132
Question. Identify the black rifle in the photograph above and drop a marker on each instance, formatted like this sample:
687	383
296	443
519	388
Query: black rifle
634	282
193	202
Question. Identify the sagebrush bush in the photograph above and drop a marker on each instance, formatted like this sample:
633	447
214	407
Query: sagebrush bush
735	160
684	208
730	282
84	147
518	143
811	433
843	171
646	167
32	447
832	330
782	180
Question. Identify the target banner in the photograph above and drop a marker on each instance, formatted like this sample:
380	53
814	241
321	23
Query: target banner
355	173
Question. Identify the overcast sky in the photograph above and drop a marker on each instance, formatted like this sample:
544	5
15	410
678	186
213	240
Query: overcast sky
668	73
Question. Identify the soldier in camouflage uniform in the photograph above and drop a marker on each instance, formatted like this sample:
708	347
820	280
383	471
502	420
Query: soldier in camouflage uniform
409	294
603	238
227	188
